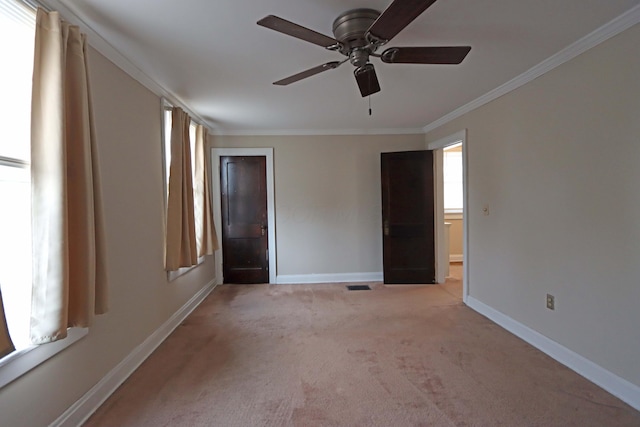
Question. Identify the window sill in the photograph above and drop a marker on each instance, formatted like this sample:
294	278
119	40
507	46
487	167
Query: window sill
20	362
173	275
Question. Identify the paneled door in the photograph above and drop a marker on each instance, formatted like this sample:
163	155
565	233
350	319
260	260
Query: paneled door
408	217
243	195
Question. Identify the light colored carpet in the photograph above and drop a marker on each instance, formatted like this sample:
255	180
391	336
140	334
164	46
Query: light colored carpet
319	355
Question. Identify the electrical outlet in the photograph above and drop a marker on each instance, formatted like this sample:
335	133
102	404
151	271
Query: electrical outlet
551	302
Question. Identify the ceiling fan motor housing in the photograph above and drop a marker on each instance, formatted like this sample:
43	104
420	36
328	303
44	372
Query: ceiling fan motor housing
349	29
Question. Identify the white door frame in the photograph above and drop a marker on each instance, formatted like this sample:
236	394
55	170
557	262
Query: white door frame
441	255
216	153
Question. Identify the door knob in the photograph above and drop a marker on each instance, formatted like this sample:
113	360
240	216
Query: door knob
263	229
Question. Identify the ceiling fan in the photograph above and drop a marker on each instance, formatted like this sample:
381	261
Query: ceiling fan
358	35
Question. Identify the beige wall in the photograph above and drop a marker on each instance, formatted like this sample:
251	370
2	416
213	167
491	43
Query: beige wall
328	207
553	160
557	163
128	131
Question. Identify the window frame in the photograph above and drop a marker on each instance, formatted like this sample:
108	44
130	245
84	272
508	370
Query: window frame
166	106
20	362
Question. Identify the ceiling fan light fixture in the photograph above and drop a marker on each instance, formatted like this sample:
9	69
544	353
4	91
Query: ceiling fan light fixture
367	80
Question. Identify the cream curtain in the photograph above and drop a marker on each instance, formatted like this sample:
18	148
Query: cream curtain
207	237
6	346
69	271
181	250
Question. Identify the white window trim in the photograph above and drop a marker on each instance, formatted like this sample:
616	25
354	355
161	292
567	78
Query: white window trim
164	106
20	362
11	162
173	275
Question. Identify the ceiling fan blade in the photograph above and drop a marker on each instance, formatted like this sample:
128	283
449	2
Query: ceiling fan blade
289	28
425	55
398	15
308	73
367	80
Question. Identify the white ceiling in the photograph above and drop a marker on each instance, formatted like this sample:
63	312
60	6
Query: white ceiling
211	55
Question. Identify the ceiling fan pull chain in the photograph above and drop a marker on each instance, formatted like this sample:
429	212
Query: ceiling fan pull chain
369	76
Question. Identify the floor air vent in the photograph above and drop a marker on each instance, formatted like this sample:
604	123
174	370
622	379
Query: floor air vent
358	287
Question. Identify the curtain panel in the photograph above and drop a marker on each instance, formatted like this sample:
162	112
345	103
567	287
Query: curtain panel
69	262
181	249
207	236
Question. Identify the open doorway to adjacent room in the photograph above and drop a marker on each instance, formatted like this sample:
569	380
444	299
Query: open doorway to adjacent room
452	173
451	223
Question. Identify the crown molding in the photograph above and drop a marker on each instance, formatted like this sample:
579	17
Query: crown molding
605	32
70	13
312	132
612	28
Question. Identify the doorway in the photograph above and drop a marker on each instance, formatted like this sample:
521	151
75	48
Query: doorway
270	229
442	253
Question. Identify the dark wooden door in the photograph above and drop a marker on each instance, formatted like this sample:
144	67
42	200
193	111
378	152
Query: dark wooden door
244	217
408	217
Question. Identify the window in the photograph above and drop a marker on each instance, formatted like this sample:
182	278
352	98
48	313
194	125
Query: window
17	35
198	209
167	146
452	174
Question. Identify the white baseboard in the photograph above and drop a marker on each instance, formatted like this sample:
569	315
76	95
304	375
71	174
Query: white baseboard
328	278
80	411
456	258
619	387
